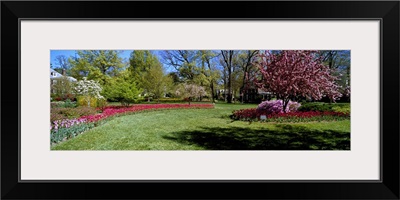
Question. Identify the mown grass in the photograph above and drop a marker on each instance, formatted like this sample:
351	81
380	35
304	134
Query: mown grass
208	129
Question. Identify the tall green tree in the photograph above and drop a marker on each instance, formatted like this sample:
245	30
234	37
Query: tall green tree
122	88
209	71
228	57
156	82
245	60
62	86
96	64
140	62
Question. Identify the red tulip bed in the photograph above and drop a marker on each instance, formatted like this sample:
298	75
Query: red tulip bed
252	114
67	128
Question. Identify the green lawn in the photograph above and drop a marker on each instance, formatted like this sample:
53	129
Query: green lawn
208	129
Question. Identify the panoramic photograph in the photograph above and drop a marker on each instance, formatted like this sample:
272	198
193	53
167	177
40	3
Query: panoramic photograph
200	100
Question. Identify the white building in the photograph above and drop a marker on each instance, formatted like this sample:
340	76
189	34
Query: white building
54	75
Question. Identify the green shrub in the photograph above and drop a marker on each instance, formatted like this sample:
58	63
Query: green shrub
171	100
315	107
53	97
341	109
207	99
318	106
122	89
83	101
148	99
71	113
56	116
56	104
161	100
79	112
102	104
63	104
140	100
69	104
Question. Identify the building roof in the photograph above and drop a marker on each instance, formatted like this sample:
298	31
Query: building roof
55	75
262	91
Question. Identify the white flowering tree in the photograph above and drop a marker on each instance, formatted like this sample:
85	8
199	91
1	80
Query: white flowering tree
190	91
88	89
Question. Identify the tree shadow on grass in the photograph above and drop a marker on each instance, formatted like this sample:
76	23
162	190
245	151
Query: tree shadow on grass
284	137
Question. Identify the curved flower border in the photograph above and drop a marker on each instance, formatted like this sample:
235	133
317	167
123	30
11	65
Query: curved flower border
62	130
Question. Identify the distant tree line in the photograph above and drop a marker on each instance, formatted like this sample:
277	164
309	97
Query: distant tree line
220	74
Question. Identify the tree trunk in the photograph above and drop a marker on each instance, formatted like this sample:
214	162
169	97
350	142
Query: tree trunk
230	77
285	103
228	55
212	80
225	88
88	101
229	86
242	97
348	76
212	92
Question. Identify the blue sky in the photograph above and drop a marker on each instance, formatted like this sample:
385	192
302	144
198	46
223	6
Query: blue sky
54	53
125	54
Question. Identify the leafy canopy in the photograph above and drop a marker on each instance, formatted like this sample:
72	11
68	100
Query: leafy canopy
294	73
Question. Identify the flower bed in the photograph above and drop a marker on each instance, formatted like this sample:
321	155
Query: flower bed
276	106
57	114
67	128
253	114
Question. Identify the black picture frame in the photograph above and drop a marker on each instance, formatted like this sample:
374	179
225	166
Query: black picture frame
13	11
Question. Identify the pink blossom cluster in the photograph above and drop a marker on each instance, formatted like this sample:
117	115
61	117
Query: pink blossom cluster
66	123
276	106
293	73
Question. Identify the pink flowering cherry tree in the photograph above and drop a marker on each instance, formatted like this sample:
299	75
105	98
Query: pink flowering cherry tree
190	91
293	73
